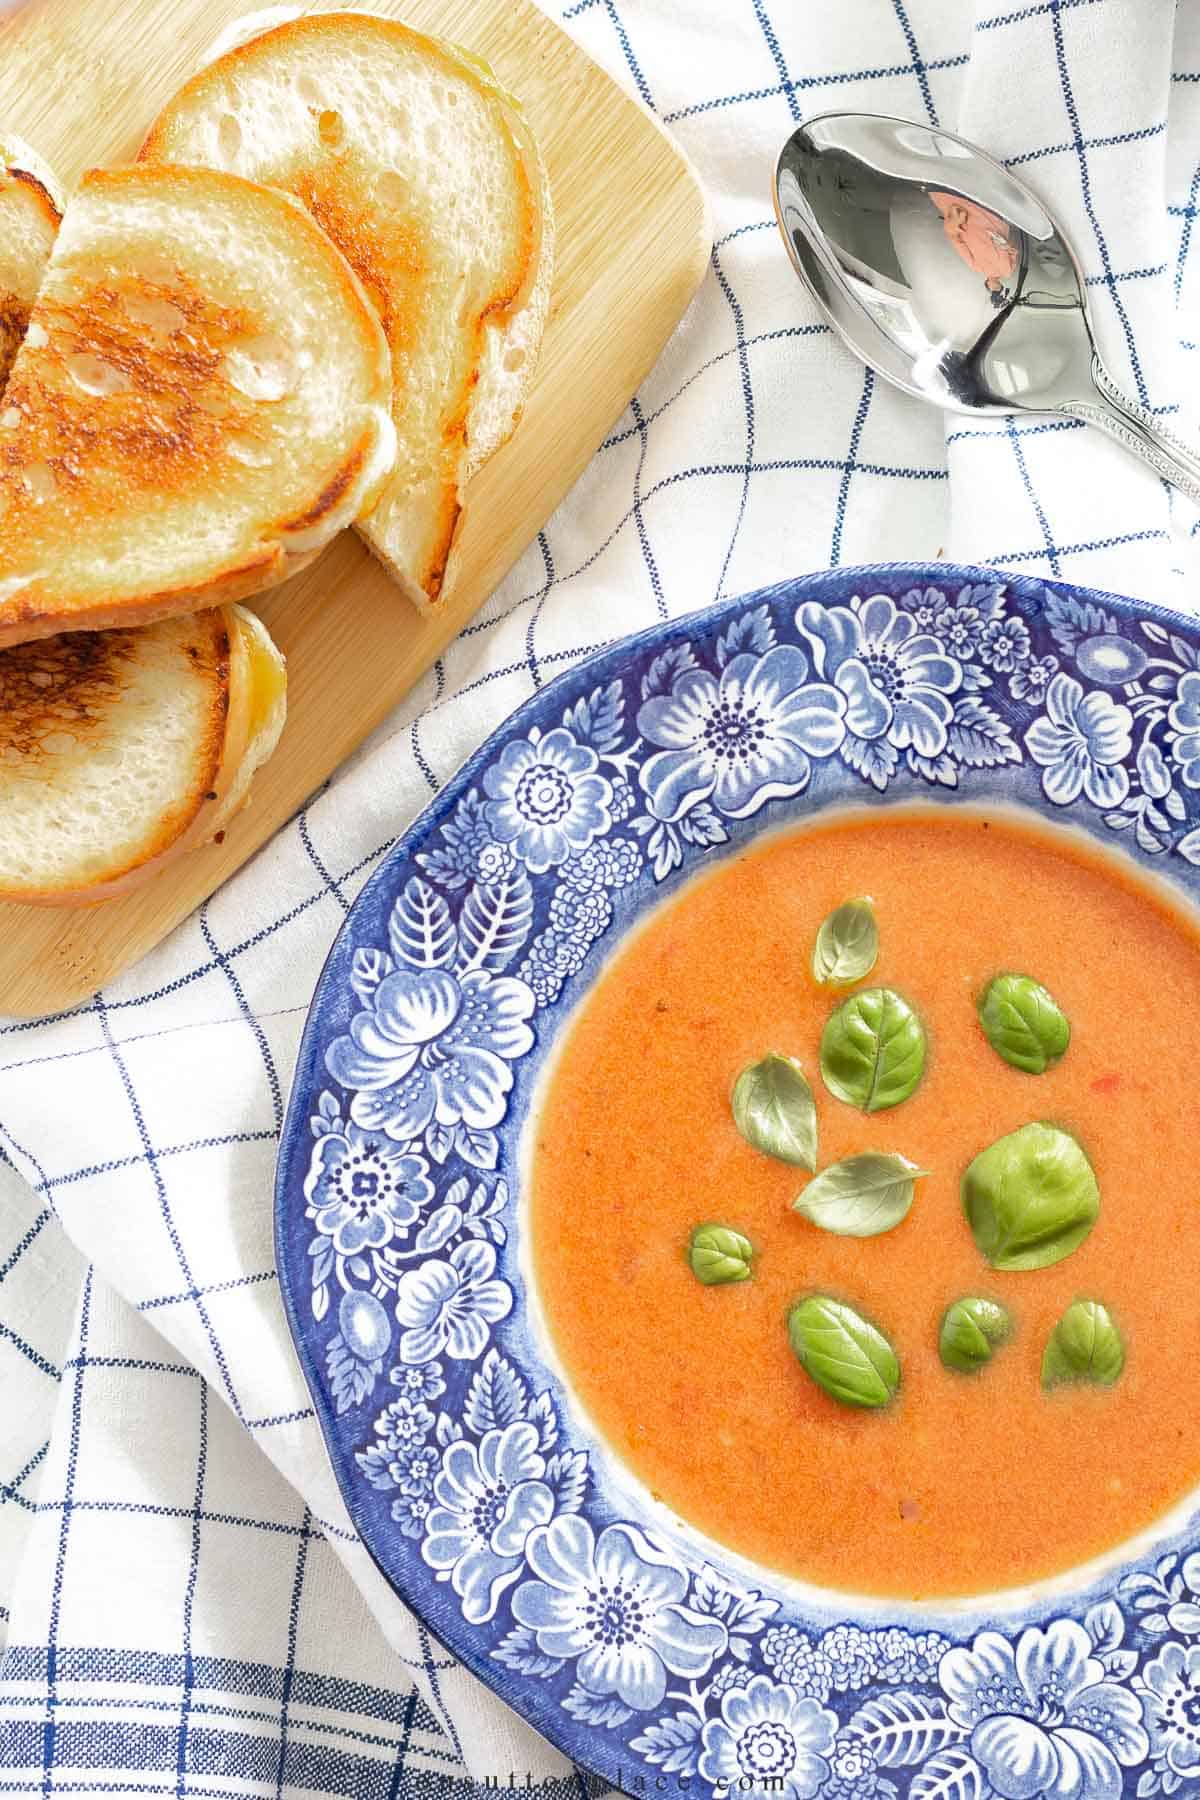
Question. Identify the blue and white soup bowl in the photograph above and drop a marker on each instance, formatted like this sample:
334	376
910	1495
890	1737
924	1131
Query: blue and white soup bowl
654	1657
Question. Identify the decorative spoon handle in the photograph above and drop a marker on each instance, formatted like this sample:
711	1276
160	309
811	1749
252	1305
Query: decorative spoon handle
1138	430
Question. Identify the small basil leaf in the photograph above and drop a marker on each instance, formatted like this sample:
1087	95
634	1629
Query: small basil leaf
873	1050
1085	1345
847	945
843	1352
971	1330
718	1255
861	1196
774	1110
1030	1198
1023	1023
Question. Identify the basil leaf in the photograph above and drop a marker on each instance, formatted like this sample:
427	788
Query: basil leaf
971	1330
861	1196
873	1050
1030	1198
774	1110
843	1352
1085	1345
847	945
718	1254
1023	1023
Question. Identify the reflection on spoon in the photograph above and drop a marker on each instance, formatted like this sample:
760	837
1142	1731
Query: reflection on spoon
987	313
979	236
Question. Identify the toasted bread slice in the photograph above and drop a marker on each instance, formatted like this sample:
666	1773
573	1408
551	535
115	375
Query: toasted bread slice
31	207
120	749
201	401
423	171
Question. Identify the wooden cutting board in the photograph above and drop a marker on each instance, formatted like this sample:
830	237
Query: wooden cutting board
81	80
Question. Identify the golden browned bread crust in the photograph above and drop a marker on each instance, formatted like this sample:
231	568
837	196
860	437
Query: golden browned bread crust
62	686
157	404
121	400
16	300
14	317
387	247
62	694
64	699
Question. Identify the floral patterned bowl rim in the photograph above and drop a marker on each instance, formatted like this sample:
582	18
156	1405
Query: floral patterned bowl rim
647	1653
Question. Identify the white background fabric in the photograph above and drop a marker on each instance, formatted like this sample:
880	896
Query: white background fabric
146	1513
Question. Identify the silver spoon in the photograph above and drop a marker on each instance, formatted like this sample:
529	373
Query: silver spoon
945	274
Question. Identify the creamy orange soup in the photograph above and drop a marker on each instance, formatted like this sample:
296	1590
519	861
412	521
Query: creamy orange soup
965	1483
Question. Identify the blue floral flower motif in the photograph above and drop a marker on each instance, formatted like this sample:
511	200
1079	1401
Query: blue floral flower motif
616	1604
552	960
546	798
581	915
850	1652
1005	643
410	1511
493	862
896	679
434	1045
1082	743
1184	717
1171	1704
854	1774
488	1501
447	1307
416	1469
768	1740
401	1428
1030	681
1043	1719
365	1189
467	851
612	864
899	1656
404	1423
924	604
960	627
793	1658
419	1381
738	739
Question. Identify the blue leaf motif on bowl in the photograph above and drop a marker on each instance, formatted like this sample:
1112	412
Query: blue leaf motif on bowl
643	1649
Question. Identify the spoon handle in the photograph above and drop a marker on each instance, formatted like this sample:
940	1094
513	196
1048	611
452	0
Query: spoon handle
1139	431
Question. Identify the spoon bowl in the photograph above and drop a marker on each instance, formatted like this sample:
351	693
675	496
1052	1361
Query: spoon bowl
945	273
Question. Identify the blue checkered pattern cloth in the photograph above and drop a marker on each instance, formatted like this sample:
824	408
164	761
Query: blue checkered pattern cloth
187	1609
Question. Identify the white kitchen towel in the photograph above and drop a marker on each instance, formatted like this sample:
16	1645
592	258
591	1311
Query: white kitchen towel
183	1618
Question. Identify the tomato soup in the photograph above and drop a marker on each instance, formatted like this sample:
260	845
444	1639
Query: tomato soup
965	1483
